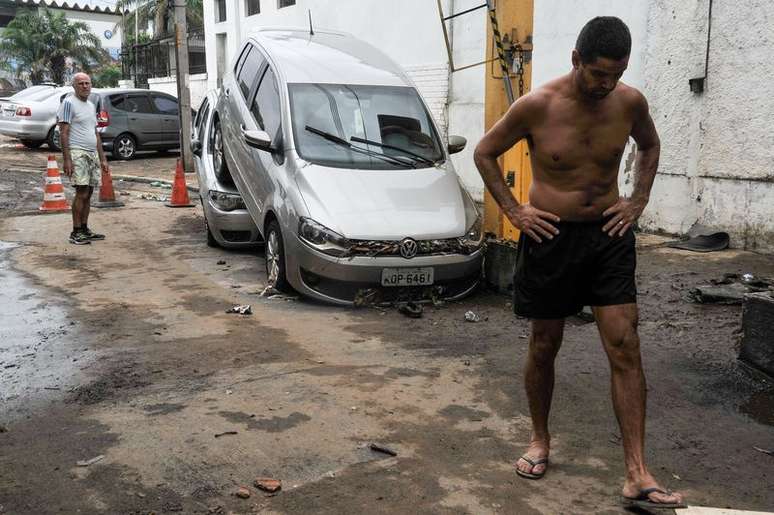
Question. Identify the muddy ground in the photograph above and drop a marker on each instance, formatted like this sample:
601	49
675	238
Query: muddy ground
123	349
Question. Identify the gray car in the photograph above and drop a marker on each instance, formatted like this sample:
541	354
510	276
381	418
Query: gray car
226	220
342	168
30	116
129	120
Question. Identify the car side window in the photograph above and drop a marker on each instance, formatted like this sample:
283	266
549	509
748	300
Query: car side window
266	106
131	103
165	105
249	72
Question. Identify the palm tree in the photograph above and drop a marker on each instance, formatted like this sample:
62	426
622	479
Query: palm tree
41	44
161	12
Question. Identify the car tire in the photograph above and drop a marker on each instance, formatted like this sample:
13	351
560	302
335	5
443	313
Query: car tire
124	147
211	241
219	165
31	144
52	140
274	251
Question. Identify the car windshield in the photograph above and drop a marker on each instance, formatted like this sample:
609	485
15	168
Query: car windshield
388	120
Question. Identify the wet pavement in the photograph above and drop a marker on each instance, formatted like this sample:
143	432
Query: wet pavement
123	349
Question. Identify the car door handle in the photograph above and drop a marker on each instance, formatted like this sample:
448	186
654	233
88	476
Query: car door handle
226	93
133	119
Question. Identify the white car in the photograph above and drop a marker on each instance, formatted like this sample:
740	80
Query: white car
344	172
31	118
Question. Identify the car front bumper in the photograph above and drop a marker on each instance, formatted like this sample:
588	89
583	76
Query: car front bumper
345	280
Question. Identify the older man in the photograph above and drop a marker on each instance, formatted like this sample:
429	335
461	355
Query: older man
83	156
577	245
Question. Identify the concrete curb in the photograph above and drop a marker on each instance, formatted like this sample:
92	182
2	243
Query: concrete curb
127	178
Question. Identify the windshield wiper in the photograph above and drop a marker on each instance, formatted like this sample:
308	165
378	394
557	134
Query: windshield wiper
344	143
417	157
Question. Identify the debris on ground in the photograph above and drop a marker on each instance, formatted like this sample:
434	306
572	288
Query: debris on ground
472	317
703	243
243	493
410	309
764	451
3	429
268	484
159	184
245	309
586	314
221	262
224	433
731	289
381	448
86	463
365	297
153	196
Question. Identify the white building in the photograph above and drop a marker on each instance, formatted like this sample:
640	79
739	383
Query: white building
717	163
104	22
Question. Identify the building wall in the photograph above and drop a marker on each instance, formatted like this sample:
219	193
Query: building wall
717	162
99	23
197	83
406	30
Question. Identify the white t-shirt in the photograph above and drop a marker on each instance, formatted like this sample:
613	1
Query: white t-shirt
82	118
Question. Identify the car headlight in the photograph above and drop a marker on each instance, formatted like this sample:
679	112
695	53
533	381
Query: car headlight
226	201
321	238
474	236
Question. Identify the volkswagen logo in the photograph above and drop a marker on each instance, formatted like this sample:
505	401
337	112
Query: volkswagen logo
408	248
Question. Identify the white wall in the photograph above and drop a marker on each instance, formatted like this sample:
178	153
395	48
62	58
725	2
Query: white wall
99	23
198	86
409	32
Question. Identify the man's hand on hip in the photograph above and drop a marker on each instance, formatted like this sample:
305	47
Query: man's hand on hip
624	213
533	222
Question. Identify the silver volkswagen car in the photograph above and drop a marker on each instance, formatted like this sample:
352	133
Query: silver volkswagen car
343	171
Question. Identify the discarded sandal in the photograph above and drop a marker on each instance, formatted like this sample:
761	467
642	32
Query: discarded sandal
534	463
643	500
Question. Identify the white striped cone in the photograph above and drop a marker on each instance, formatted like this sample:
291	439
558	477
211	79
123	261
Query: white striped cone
53	192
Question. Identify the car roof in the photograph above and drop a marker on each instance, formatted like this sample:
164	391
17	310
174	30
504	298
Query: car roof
328	57
113	91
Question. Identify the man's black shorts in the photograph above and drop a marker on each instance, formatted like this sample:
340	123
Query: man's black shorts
581	266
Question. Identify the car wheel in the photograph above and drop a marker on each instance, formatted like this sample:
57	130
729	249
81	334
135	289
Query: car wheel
52	140
218	158
31	144
124	147
211	241
274	250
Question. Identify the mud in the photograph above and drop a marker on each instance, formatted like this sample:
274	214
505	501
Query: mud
132	332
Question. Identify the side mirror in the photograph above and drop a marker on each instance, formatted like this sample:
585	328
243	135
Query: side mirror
257	139
456	144
196	147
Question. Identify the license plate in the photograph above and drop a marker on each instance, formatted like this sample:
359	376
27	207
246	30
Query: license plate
407	276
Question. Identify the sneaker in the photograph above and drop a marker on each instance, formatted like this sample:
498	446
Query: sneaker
79	238
92	235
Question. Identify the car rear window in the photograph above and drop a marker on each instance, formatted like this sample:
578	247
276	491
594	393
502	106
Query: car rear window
132	103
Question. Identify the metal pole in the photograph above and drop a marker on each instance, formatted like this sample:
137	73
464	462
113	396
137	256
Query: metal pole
136	39
183	86
498	41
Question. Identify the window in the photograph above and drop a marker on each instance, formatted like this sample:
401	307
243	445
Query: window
132	103
286	3
220	10
165	105
266	107
248	75
253	7
201	117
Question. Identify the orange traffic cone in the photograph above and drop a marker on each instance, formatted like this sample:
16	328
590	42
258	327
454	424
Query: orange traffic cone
107	196
53	193
179	189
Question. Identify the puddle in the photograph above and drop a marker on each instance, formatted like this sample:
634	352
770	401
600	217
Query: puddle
36	349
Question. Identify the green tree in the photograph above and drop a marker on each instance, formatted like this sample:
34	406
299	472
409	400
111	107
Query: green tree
160	12
107	76
41	44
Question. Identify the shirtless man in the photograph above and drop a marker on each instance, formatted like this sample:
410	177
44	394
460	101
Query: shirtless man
577	243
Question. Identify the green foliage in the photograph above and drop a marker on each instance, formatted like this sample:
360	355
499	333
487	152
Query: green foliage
107	76
160	12
41	44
